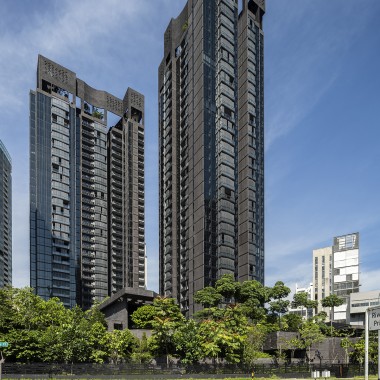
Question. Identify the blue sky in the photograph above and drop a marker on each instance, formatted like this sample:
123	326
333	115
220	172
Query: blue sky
322	105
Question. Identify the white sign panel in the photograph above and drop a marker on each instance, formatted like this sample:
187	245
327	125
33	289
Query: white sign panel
374	319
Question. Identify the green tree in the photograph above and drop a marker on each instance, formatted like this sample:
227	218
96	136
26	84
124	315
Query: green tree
94	315
279	305
51	339
7	313
213	313
310	334
332	301
142	353
144	316
168	318
253	347
187	342
209	331
224	338
227	286
73	336
19	309
358	349
279	308
51	313
121	344
24	345
253	296
208	297
293	344
292	322
98	342
24	318
301	299
346	344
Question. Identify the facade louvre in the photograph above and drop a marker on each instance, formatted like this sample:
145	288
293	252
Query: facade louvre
5	217
211	147
336	271
86	188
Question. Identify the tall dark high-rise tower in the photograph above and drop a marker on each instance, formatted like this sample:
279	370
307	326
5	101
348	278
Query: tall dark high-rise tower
87	235
5	217
211	153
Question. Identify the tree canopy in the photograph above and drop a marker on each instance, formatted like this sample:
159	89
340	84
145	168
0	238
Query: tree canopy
232	327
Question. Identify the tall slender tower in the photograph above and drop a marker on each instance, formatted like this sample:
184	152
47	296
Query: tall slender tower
5	217
86	188
211	153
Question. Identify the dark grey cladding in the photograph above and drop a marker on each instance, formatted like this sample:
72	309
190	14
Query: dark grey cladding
211	147
87	191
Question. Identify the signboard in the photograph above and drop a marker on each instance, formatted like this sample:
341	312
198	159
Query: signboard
374	319
3	344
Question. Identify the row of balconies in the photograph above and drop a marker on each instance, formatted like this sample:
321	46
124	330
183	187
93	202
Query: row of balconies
226	66
168	78
183	91
183	200
225	50
226	21
184	73
168	114
117	149
226	254
167	127
117	140
116	162
225	90
88	179
89	157
88	124
184	60
226	206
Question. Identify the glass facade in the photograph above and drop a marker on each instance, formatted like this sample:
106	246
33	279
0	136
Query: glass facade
211	133
77	186
5	217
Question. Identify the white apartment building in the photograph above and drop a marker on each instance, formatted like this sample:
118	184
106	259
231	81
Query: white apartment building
303	312
336	271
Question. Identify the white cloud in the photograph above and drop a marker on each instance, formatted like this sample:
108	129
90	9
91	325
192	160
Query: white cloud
296	273
296	103
111	45
298	80
73	30
369	280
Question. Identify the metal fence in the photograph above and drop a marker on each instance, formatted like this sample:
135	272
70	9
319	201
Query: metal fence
145	371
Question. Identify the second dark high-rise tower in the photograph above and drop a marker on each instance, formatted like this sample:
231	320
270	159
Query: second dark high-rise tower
87	236
211	135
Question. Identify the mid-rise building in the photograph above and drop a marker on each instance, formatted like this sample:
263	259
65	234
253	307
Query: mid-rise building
211	147
87	233
358	305
305	313
322	275
5	217
336	271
